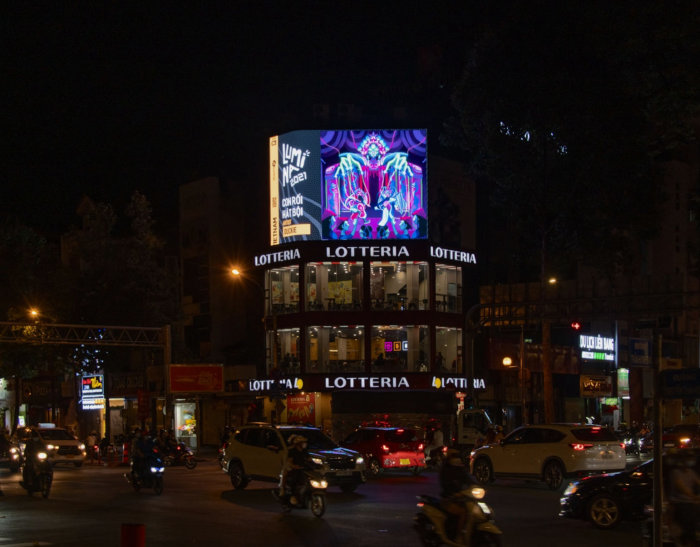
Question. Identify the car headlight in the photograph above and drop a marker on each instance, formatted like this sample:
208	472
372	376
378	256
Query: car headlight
81	446
14	450
684	440
478	493
41	455
51	447
571	489
360	460
317	461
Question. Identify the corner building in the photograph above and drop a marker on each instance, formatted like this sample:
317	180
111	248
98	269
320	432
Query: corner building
360	328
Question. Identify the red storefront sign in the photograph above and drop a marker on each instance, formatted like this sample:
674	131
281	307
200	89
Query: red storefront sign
196	378
301	409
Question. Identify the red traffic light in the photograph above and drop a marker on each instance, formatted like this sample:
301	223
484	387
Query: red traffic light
576	325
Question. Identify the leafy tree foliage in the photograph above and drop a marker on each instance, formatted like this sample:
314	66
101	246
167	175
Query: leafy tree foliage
123	279
563	112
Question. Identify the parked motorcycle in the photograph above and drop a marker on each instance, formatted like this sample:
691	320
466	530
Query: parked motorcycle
149	475
181	454
37	475
436	527
310	494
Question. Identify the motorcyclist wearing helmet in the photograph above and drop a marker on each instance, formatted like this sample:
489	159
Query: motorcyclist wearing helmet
31	449
454	478
297	461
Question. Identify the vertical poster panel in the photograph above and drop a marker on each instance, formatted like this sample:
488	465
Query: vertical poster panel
299	186
301	408
274	191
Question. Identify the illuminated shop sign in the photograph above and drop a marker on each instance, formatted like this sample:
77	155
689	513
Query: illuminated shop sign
595	386
92	391
368	251
597	348
396	346
321	382
348	185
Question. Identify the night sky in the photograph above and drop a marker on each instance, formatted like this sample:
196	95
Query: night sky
102	100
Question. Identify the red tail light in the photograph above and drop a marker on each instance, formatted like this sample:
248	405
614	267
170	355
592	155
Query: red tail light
622	445
421	447
385	448
580	446
444	451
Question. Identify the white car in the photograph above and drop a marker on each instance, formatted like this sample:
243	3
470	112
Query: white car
61	445
549	453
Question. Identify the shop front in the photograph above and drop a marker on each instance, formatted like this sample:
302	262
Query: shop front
338	403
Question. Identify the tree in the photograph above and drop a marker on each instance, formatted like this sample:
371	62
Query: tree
563	113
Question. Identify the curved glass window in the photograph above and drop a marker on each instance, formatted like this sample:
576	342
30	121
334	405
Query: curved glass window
448	350
282	290
335	349
399	285
448	288
334	286
400	348
287	347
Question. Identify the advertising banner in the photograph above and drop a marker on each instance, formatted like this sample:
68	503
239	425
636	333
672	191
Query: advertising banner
196	378
596	386
301	408
348	185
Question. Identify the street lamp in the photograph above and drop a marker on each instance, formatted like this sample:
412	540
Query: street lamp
237	273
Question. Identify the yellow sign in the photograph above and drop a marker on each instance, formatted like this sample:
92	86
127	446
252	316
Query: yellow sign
296	230
274	192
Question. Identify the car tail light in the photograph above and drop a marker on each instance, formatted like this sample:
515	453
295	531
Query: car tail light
444	451
385	448
580	446
622	445
420	448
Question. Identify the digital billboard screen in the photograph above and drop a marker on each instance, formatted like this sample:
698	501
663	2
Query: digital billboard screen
348	185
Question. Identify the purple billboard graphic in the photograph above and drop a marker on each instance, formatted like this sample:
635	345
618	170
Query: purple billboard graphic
374	184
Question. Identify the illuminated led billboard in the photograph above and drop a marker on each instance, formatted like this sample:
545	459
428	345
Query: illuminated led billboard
348	185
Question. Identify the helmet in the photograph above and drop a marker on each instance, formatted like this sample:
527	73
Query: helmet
298	439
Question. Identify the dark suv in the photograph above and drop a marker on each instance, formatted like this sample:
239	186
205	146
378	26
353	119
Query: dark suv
259	451
388	448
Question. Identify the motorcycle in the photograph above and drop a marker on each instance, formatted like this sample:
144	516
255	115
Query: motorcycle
310	494
37	475
435	526
181	454
150	474
435	457
632	445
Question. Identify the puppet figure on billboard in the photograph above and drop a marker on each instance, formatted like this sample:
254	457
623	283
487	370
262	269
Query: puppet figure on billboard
379	193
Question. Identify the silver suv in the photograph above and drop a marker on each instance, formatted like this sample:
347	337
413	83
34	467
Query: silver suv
549	453
259	451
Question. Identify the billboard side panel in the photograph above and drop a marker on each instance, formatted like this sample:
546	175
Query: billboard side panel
274	191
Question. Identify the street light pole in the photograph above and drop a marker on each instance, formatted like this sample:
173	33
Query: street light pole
522	374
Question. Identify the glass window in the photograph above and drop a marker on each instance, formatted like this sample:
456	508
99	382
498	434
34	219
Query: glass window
448	350
335	349
334	286
287	349
282	290
400	348
399	285
448	288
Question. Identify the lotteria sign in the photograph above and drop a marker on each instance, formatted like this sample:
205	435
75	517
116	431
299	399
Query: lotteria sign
320	382
358	252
